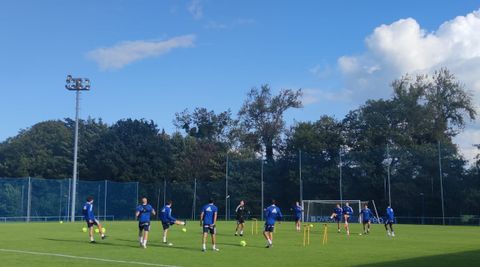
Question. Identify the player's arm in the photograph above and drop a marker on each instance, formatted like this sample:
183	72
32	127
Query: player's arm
201	218
137	213
215	218
154	212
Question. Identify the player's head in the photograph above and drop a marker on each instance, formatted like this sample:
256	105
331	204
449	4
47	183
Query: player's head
297	203
242	202
89	199
274	202
338	205
210	201
144	200
347	204
366	205
170	202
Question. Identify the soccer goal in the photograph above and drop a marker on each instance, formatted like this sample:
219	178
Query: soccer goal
321	210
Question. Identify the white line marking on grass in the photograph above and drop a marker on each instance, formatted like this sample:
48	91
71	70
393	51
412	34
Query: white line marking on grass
84	258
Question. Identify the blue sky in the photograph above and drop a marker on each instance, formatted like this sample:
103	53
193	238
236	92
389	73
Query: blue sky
150	59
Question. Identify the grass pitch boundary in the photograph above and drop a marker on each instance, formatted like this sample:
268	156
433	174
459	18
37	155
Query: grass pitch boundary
83	258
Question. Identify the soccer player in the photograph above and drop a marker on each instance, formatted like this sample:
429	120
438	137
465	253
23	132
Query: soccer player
240	213
208	219
347	213
297	209
337	216
389	221
366	214
272	214
167	220
91	220
142	213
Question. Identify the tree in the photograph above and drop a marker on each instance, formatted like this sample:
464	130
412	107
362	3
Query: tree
261	118
204	124
449	103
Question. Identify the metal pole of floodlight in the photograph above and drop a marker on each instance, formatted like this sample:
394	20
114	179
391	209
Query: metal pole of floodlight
77	85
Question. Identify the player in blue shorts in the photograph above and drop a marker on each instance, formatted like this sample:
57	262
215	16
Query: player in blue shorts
89	217
337	216
298	210
143	213
347	213
272	214
208	219
366	215
390	220
167	220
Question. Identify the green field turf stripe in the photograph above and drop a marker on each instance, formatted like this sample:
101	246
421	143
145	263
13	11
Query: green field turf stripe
84	258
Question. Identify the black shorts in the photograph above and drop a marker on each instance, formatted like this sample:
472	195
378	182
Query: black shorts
338	218
298	218
209	228
387	221
92	223
240	220
269	227
366	221
166	225
144	226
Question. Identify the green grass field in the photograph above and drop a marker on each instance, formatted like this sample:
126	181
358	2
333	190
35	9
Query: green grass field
413	246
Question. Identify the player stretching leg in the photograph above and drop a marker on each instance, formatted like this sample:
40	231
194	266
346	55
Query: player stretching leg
298	216
142	213
91	220
366	214
389	221
347	213
337	216
273	214
167	220
208	219
240	212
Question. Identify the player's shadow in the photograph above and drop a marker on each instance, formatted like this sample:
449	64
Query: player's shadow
464	258
99	243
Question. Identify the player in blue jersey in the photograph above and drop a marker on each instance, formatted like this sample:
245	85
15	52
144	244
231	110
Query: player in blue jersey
389	221
272	214
167	220
337	216
298	210
208	219
89	217
347	213
367	216
143	213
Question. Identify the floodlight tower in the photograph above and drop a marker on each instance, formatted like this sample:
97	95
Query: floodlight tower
77	85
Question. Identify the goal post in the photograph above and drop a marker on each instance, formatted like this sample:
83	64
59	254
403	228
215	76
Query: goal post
321	210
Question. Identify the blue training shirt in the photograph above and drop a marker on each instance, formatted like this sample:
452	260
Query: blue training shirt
88	212
209	211
347	210
298	211
338	211
273	214
145	212
390	214
366	214
166	214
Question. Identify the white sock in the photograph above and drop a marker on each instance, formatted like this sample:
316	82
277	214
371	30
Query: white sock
164	239
269	241
182	223
214	247
140	238
204	246
241	232
144	242
91	238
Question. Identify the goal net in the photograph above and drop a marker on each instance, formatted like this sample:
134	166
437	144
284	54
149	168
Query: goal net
321	210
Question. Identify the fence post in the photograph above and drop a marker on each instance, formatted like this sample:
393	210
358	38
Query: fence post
105	201
194	206
261	187
29	198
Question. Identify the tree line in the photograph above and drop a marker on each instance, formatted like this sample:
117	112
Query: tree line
406	136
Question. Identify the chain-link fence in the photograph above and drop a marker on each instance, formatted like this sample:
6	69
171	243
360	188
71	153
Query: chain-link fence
425	183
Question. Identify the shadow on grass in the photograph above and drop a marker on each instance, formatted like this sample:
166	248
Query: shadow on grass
464	258
98	243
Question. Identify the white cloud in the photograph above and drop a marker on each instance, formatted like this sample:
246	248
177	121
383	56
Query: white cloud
195	8
126	52
403	46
